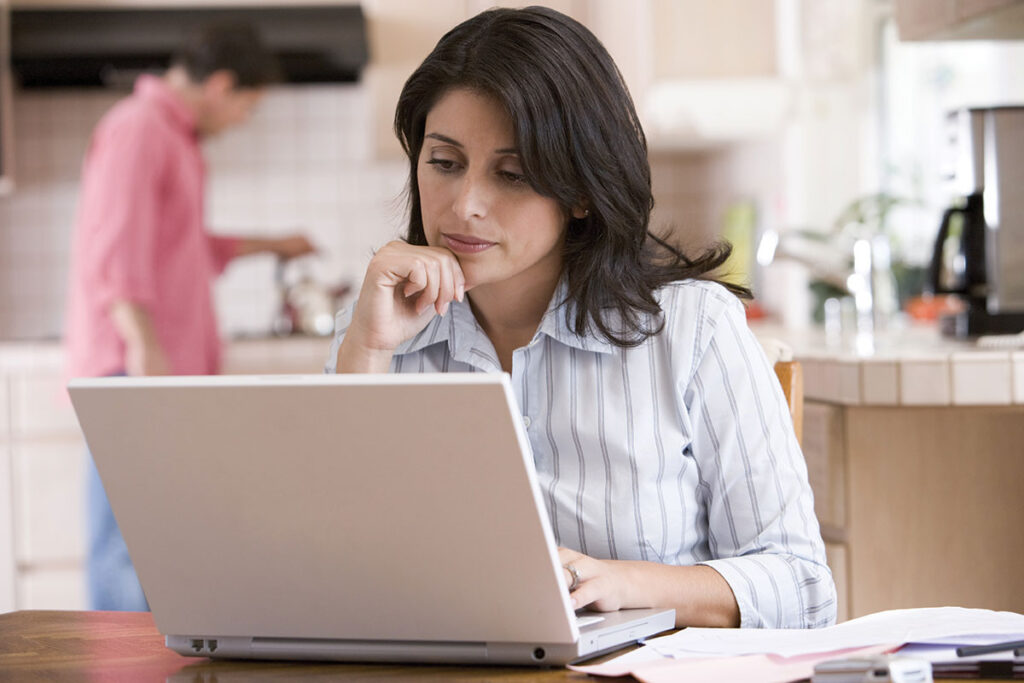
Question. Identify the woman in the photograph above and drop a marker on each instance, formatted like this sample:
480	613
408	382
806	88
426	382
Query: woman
661	438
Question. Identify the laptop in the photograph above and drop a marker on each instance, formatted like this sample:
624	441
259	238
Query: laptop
363	518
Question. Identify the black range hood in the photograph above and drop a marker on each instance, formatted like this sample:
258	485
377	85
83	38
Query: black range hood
110	47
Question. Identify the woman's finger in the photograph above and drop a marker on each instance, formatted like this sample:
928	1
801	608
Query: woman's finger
428	295
572	568
416	279
565	555
447	292
589	594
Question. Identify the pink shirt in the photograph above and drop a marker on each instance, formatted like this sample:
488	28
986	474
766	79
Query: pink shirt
140	237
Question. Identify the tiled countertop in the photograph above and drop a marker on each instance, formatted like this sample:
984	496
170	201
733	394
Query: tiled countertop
295	354
915	366
910	367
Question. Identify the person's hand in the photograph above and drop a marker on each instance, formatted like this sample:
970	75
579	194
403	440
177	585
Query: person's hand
143	354
292	246
603	585
145	359
405	286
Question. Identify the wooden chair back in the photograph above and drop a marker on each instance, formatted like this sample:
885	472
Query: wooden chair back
791	377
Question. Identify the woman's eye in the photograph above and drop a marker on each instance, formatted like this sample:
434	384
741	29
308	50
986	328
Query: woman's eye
443	165
512	177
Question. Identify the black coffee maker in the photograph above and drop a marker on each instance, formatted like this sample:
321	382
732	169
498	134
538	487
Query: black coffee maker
958	261
979	251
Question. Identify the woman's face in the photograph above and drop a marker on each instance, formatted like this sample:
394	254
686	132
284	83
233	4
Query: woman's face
475	200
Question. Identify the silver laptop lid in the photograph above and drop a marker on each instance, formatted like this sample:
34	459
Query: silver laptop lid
366	507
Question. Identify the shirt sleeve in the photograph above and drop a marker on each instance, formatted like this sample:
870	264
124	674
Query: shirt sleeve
119	212
341	322
763	535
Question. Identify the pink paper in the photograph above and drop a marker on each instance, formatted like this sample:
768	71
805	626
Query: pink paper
748	668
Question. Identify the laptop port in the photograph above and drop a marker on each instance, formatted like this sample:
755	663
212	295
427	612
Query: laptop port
539	654
197	645
211	645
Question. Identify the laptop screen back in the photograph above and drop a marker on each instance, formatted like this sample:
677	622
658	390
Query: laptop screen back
352	506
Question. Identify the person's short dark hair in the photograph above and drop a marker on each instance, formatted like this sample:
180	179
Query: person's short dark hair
233	46
580	142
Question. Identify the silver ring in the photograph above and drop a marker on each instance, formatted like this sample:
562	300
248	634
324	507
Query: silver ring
571	568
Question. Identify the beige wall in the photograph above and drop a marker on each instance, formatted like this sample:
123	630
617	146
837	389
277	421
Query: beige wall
304	161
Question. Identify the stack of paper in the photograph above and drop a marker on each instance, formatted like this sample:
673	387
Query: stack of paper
790	654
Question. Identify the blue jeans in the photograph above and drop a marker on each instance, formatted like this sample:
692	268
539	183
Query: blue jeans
110	576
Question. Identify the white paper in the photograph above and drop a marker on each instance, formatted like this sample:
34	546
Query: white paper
947	654
749	668
948	625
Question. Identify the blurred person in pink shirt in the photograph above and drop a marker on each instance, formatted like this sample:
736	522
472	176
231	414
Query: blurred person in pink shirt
140	300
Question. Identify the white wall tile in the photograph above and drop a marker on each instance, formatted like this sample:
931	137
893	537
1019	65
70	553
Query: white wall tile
833	380
849	382
925	381
880	382
982	378
301	355
813	377
40	407
5	409
1018	377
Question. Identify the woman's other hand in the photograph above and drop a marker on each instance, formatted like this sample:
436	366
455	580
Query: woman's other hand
405	286
602	585
699	594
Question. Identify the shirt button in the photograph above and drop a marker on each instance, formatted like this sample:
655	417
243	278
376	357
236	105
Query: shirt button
526	421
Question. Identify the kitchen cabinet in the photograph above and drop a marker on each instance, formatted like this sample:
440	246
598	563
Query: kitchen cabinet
914	452
960	19
700	40
40	472
823	440
6	104
919	505
695	70
65	4
42	464
698	69
402	33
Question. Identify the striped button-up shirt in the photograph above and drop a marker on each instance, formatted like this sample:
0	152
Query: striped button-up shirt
680	450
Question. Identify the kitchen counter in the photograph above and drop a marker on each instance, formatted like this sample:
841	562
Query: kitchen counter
912	443
915	366
293	354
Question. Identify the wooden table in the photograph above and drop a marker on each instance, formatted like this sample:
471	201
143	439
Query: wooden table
125	646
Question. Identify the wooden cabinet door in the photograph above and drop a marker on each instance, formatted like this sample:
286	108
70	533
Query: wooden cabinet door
968	9
918	19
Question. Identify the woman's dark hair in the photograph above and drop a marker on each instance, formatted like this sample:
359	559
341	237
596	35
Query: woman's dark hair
233	46
580	143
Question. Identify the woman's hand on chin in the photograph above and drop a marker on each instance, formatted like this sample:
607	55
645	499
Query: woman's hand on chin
405	286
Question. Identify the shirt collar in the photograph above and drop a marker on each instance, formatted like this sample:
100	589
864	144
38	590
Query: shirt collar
156	90
468	343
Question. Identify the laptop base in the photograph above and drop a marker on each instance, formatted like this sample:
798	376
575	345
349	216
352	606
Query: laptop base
594	641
